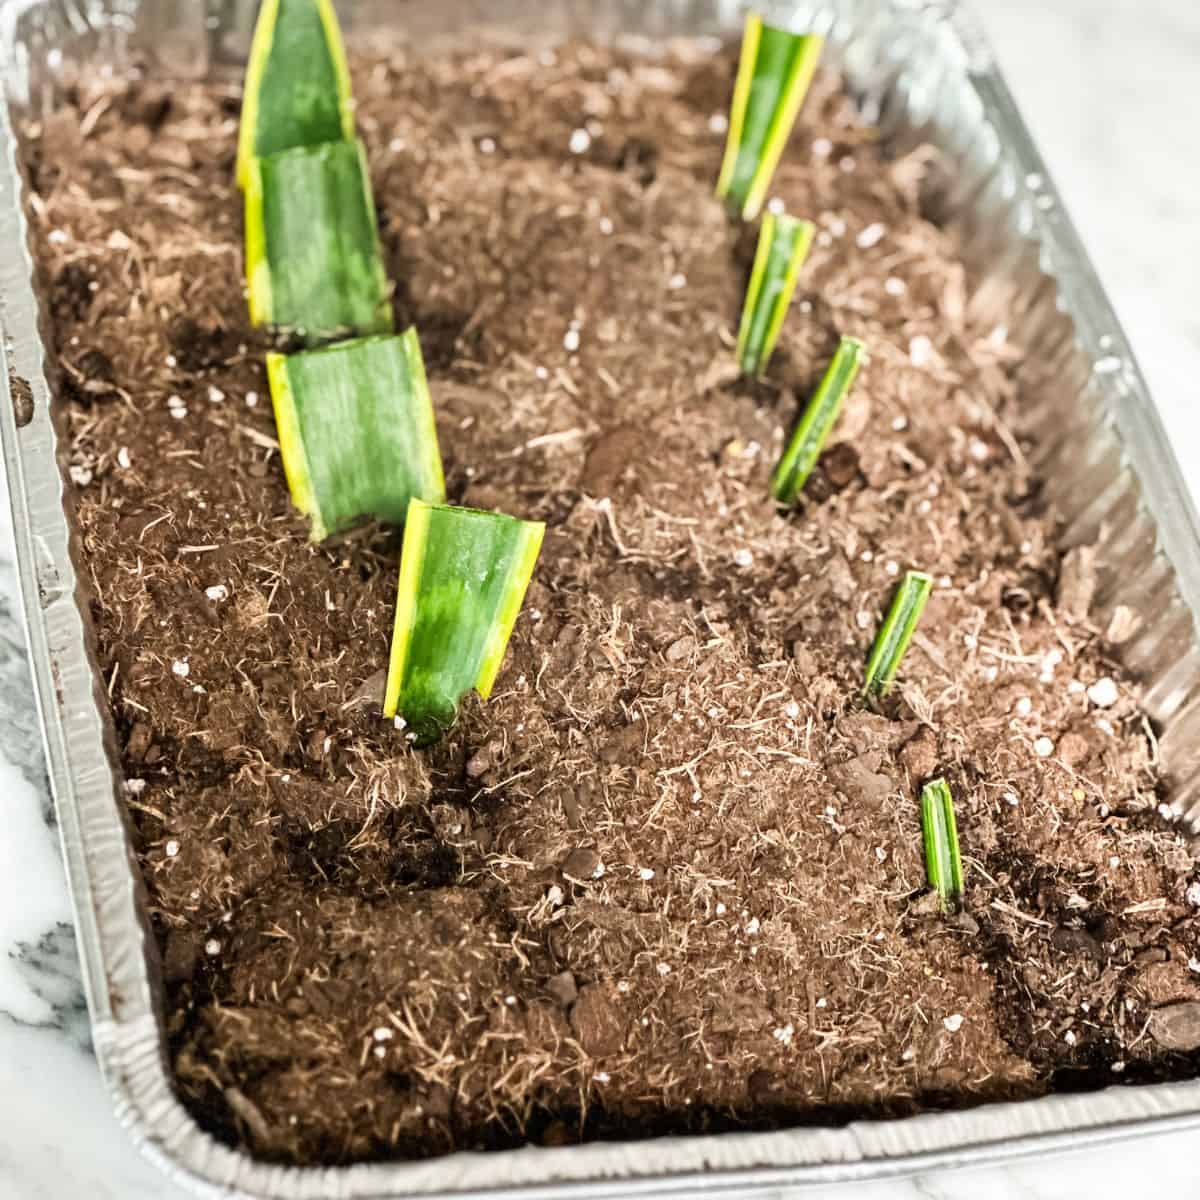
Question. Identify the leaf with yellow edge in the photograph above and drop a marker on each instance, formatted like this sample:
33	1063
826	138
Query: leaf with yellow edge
463	576
297	90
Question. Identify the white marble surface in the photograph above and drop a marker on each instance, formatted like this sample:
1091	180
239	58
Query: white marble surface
1110	88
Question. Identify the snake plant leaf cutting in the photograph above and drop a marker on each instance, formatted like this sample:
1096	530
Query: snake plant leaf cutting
773	78
463	575
783	245
313	260
943	859
356	430
297	89
897	632
818	419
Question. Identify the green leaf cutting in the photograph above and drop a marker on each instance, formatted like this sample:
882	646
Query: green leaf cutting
897	632
463	576
774	75
356	430
313	260
817	421
783	245
943	860
297	90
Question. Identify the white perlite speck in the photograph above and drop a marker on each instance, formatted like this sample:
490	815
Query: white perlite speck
1069	1037
871	236
571	341
1103	693
555	896
487	145
1024	706
80	476
212	947
753	926
171	848
791	710
602	1077
822	147
645	874
181	667
894	286
784	1034
251	399
720	909
920	351
664	969
953	1022
1043	747
217	593
580	141
215	395
1050	660
677	282
123	459
718	123
382	1033
1193	894
1194	965
743	558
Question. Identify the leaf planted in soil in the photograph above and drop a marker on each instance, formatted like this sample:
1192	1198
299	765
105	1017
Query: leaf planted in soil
897	632
943	861
297	90
783	245
773	78
356	430
313	261
819	417
463	575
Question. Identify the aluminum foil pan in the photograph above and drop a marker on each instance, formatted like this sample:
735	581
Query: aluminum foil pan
923	73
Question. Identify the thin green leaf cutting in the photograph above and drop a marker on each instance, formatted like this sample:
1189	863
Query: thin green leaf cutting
356	430
773	78
897	632
783	245
297	89
463	576
943	860
313	260
820	415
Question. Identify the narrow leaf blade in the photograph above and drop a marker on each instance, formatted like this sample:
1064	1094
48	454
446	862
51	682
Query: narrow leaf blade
774	75
943	858
313	258
820	416
897	632
356	430
463	576
783	245
297	90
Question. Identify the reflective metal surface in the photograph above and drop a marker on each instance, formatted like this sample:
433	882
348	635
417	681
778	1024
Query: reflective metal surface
924	73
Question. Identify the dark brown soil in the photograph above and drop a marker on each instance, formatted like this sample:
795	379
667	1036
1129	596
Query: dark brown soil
670	878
